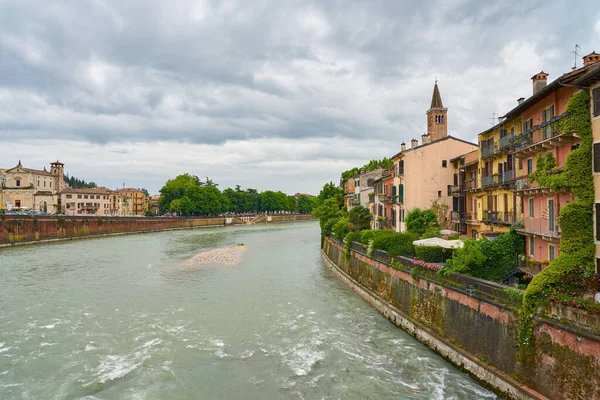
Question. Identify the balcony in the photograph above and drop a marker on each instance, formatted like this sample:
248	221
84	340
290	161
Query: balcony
470	184
488	149
453	190
488	180
506	141
545	227
498	179
501	217
543	137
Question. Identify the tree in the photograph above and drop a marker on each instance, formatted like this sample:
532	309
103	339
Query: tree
306	204
145	192
419	221
329	214
330	190
360	219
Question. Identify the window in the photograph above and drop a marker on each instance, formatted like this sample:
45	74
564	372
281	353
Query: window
531	245
400	193
50	183
18	182
44	183
18	203
85	196
38	183
529	166
357	182
597	216
596	100
550	252
79	212
551	215
444	164
531	208
575	147
439	193
401	167
69	196
68	205
520	164
78	196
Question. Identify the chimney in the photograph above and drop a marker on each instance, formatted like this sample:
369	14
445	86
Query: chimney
520	100
424	138
403	146
414	143
591	58
539	81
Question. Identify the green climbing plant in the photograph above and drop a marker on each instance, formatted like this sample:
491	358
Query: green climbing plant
577	238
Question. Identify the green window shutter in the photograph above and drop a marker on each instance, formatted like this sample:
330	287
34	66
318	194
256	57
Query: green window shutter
400	193
393	190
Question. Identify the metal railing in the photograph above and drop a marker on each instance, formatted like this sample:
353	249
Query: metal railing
542	226
502	217
488	181
506	141
470	184
488	149
453	189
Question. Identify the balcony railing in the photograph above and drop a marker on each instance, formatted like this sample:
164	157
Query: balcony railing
470	184
453	189
488	149
488	181
501	217
506	176
542	226
506	141
498	179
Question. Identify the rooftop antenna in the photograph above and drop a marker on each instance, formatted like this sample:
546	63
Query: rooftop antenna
493	119
576	55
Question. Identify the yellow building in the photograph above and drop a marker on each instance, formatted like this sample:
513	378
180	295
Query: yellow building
139	202
493	206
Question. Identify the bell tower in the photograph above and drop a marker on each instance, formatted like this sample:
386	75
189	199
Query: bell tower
57	169
437	117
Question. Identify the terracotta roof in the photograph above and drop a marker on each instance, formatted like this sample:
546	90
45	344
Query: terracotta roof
128	190
86	190
39	171
436	98
434	142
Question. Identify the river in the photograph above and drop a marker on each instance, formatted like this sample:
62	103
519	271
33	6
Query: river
118	318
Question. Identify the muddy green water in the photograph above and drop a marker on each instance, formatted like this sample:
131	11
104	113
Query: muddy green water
117	318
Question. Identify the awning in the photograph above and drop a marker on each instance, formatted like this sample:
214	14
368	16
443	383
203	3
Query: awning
446	244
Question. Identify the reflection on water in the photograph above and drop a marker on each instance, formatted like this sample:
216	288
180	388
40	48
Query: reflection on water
112	319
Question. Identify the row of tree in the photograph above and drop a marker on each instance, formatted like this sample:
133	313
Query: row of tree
188	195
78	183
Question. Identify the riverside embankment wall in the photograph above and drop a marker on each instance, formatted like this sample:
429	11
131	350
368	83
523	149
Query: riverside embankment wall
474	324
15	230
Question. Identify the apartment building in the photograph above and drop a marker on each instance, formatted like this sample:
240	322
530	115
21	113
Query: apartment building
139	203
423	172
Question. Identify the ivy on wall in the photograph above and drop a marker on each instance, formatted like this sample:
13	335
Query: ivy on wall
577	236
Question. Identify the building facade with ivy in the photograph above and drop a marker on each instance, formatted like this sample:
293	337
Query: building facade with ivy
591	83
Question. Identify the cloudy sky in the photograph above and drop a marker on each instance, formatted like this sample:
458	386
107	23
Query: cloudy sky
280	95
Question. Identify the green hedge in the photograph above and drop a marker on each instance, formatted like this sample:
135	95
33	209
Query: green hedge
435	254
395	244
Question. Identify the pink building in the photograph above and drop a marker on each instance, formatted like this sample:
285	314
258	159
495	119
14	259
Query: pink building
542	136
423	173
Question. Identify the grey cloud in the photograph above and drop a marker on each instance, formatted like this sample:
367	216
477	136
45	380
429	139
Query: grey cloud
209	72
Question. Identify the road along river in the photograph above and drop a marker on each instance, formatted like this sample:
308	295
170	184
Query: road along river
127	318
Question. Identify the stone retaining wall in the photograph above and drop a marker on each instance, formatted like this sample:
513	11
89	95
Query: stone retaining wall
26	230
477	329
